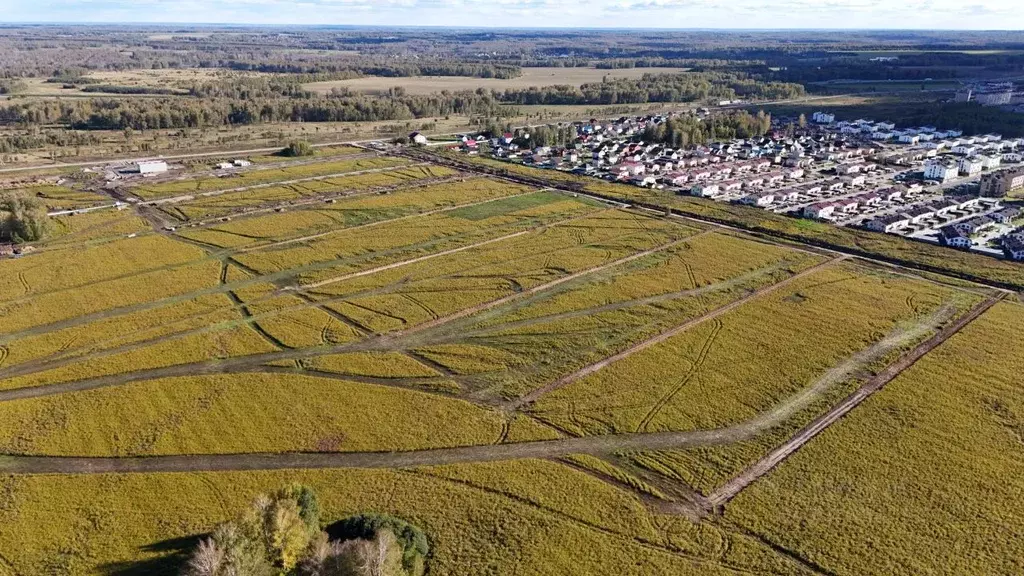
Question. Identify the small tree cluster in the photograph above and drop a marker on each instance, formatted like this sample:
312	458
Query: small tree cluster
297	149
280	535
23	218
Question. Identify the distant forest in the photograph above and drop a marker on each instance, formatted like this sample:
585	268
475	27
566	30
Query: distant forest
253	75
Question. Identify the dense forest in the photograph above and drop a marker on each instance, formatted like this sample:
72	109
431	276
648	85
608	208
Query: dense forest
254	100
685	87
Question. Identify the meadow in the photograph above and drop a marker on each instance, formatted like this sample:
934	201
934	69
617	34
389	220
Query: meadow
463	314
930	469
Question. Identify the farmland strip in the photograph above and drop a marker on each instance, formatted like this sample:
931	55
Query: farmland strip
588	370
733	487
244	362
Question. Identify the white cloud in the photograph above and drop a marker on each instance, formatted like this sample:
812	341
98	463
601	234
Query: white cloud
899	14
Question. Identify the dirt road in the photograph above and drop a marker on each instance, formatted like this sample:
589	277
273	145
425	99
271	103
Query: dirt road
734	486
588	370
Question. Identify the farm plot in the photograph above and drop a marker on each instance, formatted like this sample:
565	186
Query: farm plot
63	198
565	521
411	295
243	201
516	349
241	413
65	269
748	361
205	345
74	229
121	330
347	251
349	212
261	176
932	466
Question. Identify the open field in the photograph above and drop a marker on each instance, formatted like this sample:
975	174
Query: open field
932	466
720	373
455	353
531	77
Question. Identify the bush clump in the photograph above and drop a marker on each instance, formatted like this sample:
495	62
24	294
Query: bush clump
23	218
280	535
297	149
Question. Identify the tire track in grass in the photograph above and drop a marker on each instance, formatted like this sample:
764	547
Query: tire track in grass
763	466
692	373
585	524
595	367
392	341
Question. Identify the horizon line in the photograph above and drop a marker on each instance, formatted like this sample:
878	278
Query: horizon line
4	23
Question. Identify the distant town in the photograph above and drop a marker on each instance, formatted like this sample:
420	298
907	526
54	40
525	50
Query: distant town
926	183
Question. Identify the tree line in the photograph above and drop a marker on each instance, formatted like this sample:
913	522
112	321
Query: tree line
684	87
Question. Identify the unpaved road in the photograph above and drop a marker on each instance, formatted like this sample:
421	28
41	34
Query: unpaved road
597	445
588	370
737	484
241	363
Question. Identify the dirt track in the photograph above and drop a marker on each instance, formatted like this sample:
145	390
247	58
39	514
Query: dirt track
598	445
588	370
241	363
737	484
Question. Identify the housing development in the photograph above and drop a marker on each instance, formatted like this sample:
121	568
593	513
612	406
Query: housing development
925	183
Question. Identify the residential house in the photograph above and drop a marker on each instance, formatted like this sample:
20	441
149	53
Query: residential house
795	173
820	211
970	166
941	171
1001	183
990	162
847	205
954	238
918	214
1013	246
889	224
417	138
705	190
730	185
762	199
1006	215
850	181
787	196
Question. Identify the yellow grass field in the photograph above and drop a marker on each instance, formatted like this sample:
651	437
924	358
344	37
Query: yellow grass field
451	341
745	362
539	77
932	466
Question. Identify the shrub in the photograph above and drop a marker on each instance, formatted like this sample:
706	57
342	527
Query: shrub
298	148
23	218
280	535
414	543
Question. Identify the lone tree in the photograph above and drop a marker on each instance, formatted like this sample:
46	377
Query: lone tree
23	218
298	148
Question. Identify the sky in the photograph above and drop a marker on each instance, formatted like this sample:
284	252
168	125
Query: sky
757	14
